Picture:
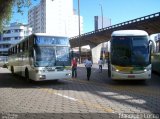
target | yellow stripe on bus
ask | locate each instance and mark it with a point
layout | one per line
(124, 69)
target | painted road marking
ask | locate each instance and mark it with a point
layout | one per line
(70, 98)
(102, 108)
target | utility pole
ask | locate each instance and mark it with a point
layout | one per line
(79, 32)
(103, 55)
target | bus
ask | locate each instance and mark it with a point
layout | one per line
(41, 57)
(130, 55)
(155, 56)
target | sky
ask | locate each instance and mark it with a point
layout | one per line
(116, 10)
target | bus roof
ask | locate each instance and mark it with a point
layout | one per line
(47, 34)
(129, 33)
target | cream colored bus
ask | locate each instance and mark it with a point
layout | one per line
(41, 57)
(130, 56)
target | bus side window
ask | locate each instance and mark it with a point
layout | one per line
(31, 52)
(19, 48)
(26, 45)
(23, 46)
(11, 51)
(16, 49)
(31, 41)
(31, 56)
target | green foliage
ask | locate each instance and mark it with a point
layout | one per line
(6, 10)
(22, 3)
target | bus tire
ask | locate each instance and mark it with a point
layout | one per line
(12, 69)
(27, 75)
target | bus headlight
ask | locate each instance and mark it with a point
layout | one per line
(147, 69)
(114, 69)
(68, 74)
(42, 76)
(117, 70)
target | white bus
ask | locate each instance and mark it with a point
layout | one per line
(130, 56)
(41, 57)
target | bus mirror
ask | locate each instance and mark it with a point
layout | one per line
(152, 46)
(150, 43)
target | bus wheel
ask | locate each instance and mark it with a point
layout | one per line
(27, 75)
(12, 70)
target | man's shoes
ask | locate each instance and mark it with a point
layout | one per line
(74, 78)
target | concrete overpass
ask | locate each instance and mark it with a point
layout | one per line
(149, 23)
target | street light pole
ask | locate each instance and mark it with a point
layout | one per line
(79, 32)
(101, 14)
(102, 28)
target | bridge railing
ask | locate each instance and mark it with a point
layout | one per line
(121, 24)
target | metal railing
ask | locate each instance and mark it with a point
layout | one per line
(120, 24)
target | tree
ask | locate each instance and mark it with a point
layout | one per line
(6, 9)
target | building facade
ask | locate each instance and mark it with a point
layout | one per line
(11, 35)
(55, 17)
(101, 22)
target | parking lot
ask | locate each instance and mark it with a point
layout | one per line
(78, 98)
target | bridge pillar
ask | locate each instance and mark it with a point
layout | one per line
(96, 51)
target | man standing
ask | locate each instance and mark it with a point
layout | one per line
(74, 68)
(88, 65)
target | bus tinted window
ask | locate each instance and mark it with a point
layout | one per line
(121, 49)
(130, 50)
(40, 40)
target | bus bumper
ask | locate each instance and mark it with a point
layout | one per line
(122, 76)
(52, 76)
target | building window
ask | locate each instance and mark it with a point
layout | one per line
(6, 38)
(16, 30)
(6, 32)
(16, 38)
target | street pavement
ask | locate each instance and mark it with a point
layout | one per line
(99, 98)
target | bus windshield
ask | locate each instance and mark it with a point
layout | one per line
(51, 56)
(130, 51)
(62, 56)
(45, 56)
